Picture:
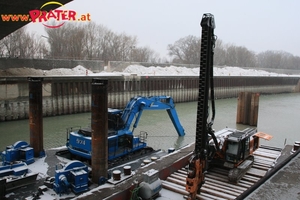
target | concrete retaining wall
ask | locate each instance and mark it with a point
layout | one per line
(68, 95)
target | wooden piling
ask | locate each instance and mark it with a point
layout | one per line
(247, 108)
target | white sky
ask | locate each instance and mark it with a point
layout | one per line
(258, 25)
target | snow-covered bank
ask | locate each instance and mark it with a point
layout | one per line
(138, 70)
(184, 71)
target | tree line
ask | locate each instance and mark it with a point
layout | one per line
(92, 41)
(186, 50)
(76, 41)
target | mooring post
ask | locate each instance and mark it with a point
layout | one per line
(99, 129)
(247, 108)
(36, 115)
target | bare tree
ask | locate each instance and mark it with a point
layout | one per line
(105, 46)
(42, 49)
(66, 41)
(122, 46)
(57, 40)
(143, 54)
(75, 42)
(278, 60)
(93, 37)
(186, 50)
(295, 62)
(269, 59)
(245, 58)
(128, 44)
(20, 44)
(220, 53)
(155, 58)
(12, 42)
(93, 41)
(239, 56)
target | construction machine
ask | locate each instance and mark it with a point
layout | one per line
(228, 148)
(121, 139)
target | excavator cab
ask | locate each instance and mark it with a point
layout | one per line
(237, 149)
(125, 141)
(115, 121)
(239, 146)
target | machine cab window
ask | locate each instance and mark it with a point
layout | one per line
(232, 151)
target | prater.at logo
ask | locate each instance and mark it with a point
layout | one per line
(58, 15)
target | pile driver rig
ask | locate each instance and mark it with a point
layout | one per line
(198, 161)
(228, 148)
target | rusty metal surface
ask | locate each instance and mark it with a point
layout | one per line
(247, 109)
(36, 115)
(99, 129)
(263, 135)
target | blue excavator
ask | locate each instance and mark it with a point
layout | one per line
(121, 140)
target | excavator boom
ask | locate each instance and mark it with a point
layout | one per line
(137, 105)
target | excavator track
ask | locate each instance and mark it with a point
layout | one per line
(234, 175)
(217, 185)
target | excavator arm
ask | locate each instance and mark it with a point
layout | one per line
(137, 105)
(198, 161)
(121, 141)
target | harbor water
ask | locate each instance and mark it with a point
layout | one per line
(279, 115)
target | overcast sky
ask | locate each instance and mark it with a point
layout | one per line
(259, 25)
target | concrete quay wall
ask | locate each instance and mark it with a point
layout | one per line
(70, 95)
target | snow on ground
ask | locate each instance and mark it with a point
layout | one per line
(183, 71)
(161, 71)
(138, 70)
(78, 70)
(39, 166)
(236, 71)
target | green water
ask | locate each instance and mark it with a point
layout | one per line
(279, 115)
